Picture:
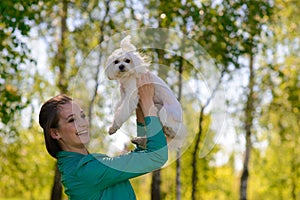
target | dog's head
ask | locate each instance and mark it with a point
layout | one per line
(125, 62)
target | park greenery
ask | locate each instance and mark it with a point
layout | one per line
(46, 46)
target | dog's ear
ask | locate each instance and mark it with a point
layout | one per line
(138, 62)
(141, 69)
(126, 44)
(109, 70)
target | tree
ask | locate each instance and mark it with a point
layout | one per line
(252, 26)
(60, 62)
(280, 115)
(216, 29)
(15, 18)
(231, 30)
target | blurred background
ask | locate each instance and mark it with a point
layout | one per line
(253, 46)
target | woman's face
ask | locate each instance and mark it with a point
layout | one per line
(73, 127)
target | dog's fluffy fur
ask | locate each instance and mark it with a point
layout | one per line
(125, 65)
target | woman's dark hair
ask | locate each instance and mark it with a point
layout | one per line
(49, 117)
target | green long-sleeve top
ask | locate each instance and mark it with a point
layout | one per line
(97, 176)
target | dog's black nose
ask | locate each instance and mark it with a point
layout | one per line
(122, 67)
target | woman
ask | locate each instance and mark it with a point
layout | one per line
(97, 176)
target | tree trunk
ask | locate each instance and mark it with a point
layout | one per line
(194, 156)
(178, 167)
(101, 39)
(198, 138)
(62, 84)
(248, 126)
(155, 185)
(61, 52)
(178, 172)
(156, 179)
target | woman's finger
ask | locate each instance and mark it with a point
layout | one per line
(143, 79)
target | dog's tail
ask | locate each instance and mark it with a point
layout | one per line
(126, 44)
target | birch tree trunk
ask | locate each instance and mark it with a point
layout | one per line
(100, 40)
(178, 167)
(248, 126)
(198, 138)
(156, 175)
(62, 84)
(194, 156)
(155, 185)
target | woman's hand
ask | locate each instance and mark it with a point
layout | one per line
(146, 93)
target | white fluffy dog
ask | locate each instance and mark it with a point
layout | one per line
(125, 65)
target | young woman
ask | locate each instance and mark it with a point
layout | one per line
(97, 176)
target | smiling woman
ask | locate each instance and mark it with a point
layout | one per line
(72, 132)
(49, 119)
(97, 176)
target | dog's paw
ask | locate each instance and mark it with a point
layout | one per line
(140, 141)
(169, 132)
(112, 130)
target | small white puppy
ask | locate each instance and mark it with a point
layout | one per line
(125, 65)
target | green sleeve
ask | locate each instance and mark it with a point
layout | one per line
(105, 171)
(141, 132)
(140, 129)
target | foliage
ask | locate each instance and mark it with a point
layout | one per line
(26, 169)
(280, 116)
(228, 30)
(280, 120)
(15, 23)
(15, 18)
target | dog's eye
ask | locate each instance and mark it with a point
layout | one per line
(116, 61)
(127, 61)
